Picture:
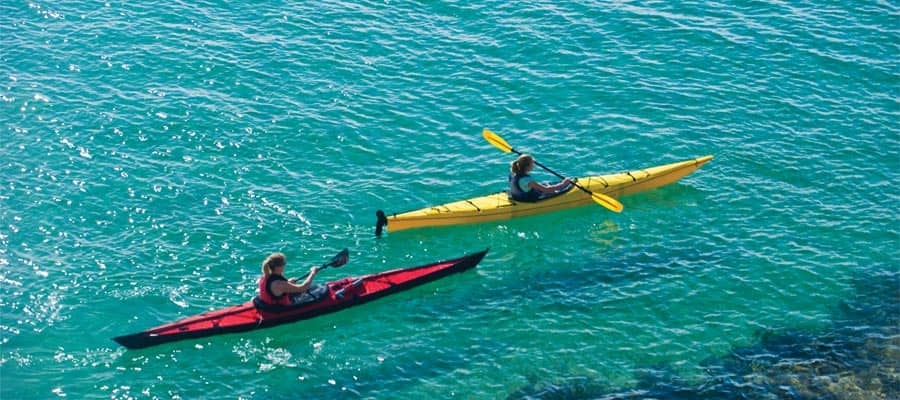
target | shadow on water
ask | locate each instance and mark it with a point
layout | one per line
(857, 358)
(400, 364)
(397, 373)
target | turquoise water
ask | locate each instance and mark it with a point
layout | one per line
(153, 154)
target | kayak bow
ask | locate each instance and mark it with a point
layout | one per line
(333, 296)
(498, 206)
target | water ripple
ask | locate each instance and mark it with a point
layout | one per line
(154, 152)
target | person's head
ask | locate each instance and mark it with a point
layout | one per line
(522, 165)
(274, 263)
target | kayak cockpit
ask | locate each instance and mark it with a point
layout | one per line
(543, 196)
(314, 294)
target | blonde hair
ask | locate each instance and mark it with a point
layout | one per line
(273, 261)
(520, 166)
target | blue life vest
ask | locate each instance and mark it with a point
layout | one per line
(516, 192)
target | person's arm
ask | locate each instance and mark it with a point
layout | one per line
(549, 189)
(287, 287)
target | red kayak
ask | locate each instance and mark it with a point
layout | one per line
(324, 299)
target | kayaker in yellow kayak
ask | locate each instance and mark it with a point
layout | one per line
(522, 187)
(274, 288)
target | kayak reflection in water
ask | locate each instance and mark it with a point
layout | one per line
(522, 187)
(274, 288)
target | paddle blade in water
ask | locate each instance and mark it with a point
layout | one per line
(610, 203)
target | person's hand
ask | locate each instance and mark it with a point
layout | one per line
(568, 181)
(313, 270)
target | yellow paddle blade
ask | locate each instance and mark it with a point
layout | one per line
(496, 140)
(610, 203)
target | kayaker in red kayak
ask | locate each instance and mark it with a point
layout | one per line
(274, 288)
(522, 187)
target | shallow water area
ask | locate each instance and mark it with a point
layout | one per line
(153, 154)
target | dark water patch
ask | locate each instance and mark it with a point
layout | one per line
(858, 357)
(400, 365)
(566, 388)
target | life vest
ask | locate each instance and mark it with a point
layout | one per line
(265, 291)
(516, 193)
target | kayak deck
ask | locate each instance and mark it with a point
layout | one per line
(498, 206)
(340, 294)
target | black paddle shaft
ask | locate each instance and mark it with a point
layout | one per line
(536, 162)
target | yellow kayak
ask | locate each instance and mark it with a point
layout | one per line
(499, 207)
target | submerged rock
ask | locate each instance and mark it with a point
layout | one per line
(857, 359)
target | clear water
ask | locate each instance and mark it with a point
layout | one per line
(153, 154)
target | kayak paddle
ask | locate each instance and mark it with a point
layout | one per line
(599, 198)
(338, 260)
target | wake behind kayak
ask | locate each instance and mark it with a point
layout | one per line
(328, 298)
